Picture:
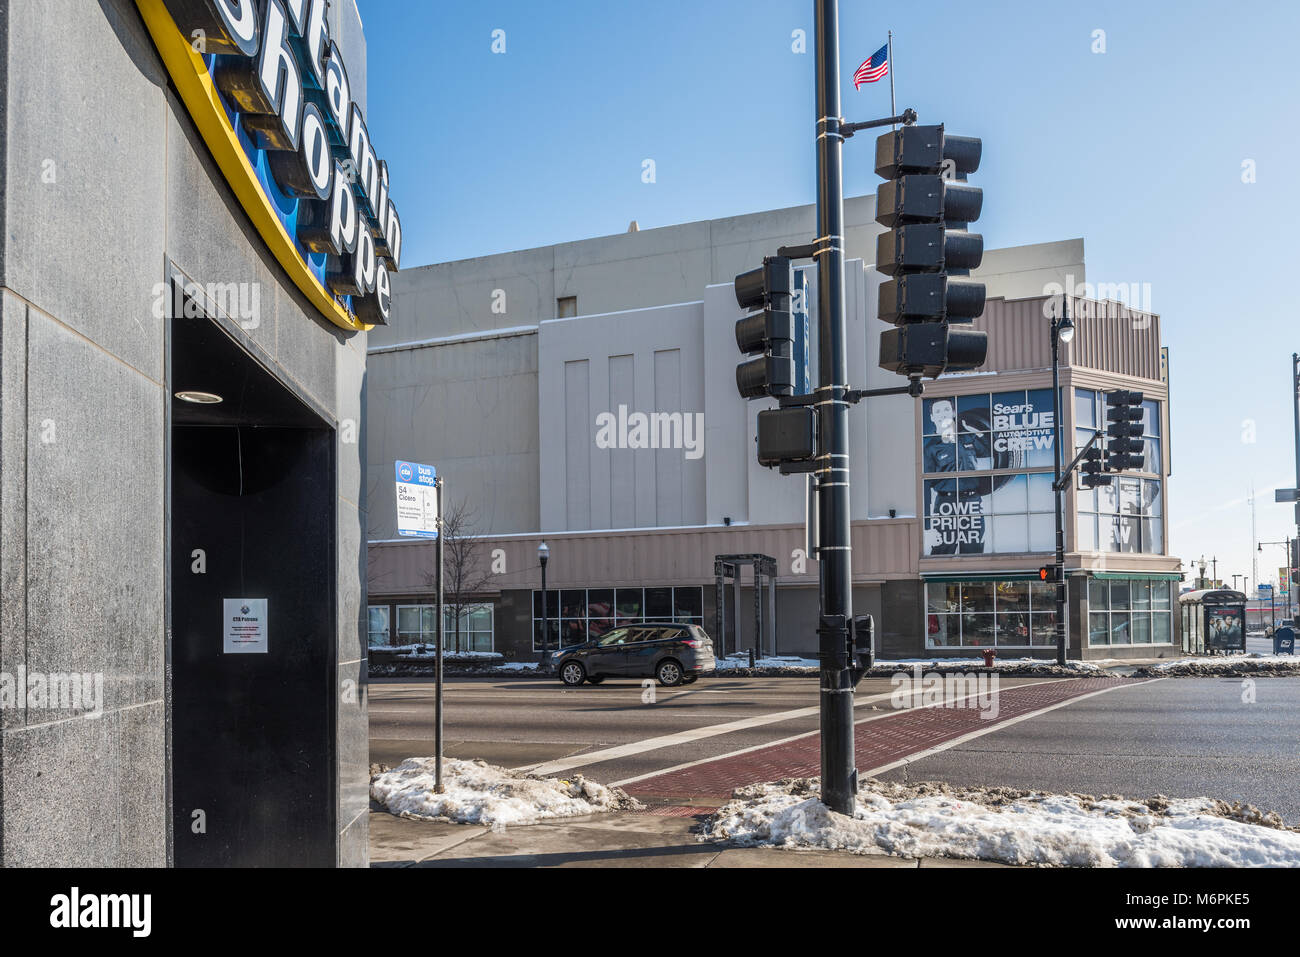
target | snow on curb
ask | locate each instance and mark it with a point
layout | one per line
(479, 793)
(1017, 666)
(786, 665)
(784, 662)
(1009, 826)
(1229, 665)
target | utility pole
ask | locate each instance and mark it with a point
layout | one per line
(1062, 633)
(438, 786)
(839, 775)
(1295, 407)
(927, 240)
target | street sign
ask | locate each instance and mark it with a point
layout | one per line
(1286, 495)
(417, 500)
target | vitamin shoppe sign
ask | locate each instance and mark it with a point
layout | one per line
(269, 92)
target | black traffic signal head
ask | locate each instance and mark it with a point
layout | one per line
(927, 207)
(754, 332)
(786, 435)
(1124, 443)
(931, 348)
(759, 286)
(768, 333)
(934, 296)
(928, 248)
(926, 149)
(927, 198)
(1091, 467)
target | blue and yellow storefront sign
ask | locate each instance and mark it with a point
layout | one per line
(269, 92)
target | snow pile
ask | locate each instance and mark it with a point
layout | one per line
(788, 662)
(1224, 665)
(479, 793)
(1047, 666)
(1010, 826)
(431, 651)
(793, 665)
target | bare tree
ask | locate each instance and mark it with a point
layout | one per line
(466, 573)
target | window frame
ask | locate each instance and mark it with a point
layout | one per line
(1039, 603)
(614, 619)
(1129, 613)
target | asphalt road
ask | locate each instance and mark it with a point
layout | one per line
(1180, 737)
(524, 722)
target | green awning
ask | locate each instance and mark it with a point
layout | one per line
(1139, 576)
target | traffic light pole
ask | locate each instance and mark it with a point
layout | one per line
(838, 774)
(1295, 407)
(1062, 633)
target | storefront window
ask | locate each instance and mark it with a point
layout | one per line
(377, 618)
(581, 614)
(475, 628)
(1129, 612)
(975, 614)
(418, 625)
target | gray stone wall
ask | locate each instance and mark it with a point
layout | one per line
(103, 181)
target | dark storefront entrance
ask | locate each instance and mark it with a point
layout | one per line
(252, 518)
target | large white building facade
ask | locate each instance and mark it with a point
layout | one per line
(584, 395)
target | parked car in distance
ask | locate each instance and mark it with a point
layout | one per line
(1282, 623)
(672, 654)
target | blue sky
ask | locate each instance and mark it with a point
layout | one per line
(1138, 150)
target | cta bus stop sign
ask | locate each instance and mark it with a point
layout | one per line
(417, 500)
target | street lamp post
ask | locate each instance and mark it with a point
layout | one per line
(1287, 546)
(543, 555)
(1062, 332)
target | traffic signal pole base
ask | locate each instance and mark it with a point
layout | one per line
(839, 782)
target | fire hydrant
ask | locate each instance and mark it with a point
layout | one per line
(988, 657)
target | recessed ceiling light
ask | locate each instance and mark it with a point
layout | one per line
(199, 398)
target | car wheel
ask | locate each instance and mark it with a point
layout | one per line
(669, 673)
(572, 674)
(595, 681)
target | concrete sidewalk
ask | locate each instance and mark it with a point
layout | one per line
(622, 839)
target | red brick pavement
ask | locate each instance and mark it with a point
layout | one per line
(879, 742)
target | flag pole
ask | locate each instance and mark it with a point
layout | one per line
(893, 110)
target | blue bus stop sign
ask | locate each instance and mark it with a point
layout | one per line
(417, 500)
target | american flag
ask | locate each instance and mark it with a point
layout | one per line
(873, 69)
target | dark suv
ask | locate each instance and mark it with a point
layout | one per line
(674, 654)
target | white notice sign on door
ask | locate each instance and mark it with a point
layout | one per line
(245, 626)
